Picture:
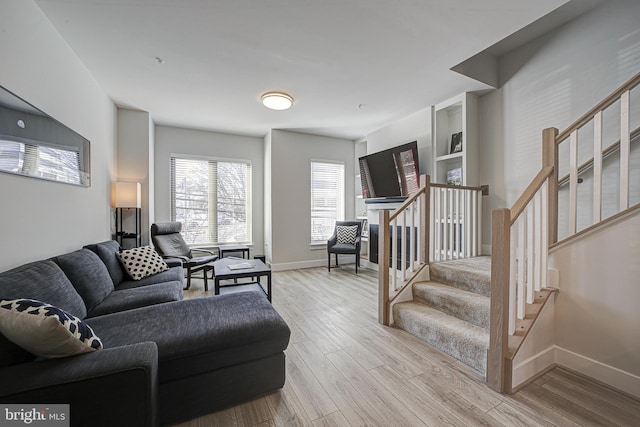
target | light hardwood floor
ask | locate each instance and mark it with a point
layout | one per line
(344, 369)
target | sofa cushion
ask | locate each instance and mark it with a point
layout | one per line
(347, 234)
(173, 274)
(107, 253)
(141, 262)
(88, 275)
(141, 296)
(204, 333)
(45, 330)
(43, 281)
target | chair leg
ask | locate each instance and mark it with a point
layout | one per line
(357, 259)
(337, 260)
(329, 261)
(188, 279)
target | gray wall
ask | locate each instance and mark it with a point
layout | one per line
(290, 204)
(202, 143)
(39, 218)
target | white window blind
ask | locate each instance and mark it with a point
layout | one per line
(327, 199)
(212, 199)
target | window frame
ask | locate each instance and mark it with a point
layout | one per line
(212, 197)
(340, 200)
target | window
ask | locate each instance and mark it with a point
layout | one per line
(327, 199)
(212, 199)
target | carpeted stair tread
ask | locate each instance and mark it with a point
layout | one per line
(469, 274)
(461, 340)
(468, 306)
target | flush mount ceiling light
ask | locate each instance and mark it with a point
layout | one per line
(277, 100)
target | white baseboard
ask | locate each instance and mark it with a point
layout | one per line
(485, 250)
(614, 377)
(298, 265)
(533, 366)
(310, 264)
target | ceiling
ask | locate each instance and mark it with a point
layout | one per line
(352, 66)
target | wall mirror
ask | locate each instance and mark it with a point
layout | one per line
(36, 145)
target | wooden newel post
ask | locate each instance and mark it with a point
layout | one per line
(383, 267)
(550, 158)
(498, 336)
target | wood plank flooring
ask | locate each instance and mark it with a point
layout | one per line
(344, 369)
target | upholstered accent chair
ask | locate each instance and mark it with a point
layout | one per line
(345, 240)
(169, 244)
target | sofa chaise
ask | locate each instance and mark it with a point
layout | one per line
(164, 359)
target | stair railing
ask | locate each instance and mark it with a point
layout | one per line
(522, 235)
(402, 246)
(437, 223)
(456, 226)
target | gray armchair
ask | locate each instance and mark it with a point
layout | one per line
(169, 244)
(345, 240)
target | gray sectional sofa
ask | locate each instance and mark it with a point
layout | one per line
(164, 360)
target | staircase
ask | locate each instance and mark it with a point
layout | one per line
(451, 311)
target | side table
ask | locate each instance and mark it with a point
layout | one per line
(224, 269)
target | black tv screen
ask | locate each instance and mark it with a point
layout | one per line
(390, 173)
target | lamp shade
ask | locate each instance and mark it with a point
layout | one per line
(126, 195)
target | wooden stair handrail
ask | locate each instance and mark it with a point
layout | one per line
(630, 84)
(605, 153)
(411, 199)
(483, 188)
(528, 194)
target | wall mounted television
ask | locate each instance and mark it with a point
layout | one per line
(390, 173)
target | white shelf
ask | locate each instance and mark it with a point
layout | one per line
(449, 157)
(455, 115)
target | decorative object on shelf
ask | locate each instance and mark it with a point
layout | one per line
(456, 143)
(454, 176)
(126, 196)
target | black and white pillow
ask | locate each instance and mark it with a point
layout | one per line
(45, 330)
(347, 234)
(141, 262)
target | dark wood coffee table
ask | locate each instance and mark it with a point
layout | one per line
(224, 269)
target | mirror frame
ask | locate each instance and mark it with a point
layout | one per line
(35, 145)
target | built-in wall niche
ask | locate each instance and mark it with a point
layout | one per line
(35, 145)
(455, 141)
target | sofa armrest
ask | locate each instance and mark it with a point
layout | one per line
(175, 261)
(116, 386)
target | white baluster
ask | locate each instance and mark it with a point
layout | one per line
(624, 151)
(597, 167)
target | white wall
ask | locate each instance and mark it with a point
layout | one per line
(551, 82)
(268, 235)
(135, 148)
(291, 155)
(39, 218)
(597, 319)
(202, 143)
(415, 127)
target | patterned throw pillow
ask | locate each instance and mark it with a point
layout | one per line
(347, 234)
(141, 262)
(45, 330)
